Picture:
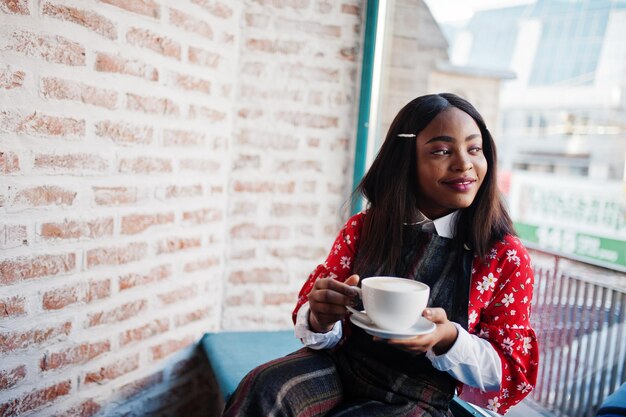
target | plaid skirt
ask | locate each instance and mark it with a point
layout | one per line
(329, 383)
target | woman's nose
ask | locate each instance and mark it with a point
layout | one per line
(462, 163)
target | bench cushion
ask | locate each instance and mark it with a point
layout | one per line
(233, 354)
(614, 404)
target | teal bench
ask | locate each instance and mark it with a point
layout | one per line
(233, 354)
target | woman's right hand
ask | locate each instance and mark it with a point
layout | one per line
(328, 300)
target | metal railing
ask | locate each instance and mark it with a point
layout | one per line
(580, 324)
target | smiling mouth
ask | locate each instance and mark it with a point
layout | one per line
(460, 184)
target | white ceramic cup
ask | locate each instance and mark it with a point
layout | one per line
(392, 303)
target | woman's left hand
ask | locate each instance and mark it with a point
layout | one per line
(440, 340)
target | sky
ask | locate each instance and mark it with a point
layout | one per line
(454, 10)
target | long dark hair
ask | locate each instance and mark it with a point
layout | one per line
(391, 189)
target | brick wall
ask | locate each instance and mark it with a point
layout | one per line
(167, 169)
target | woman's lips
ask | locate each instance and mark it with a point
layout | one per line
(460, 184)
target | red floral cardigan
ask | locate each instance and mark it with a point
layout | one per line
(499, 310)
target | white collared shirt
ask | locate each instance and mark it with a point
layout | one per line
(471, 360)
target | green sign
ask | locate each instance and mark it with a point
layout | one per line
(593, 249)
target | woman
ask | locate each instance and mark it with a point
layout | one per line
(435, 215)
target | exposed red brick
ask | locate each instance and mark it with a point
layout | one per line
(14, 340)
(245, 208)
(89, 19)
(156, 42)
(59, 89)
(351, 9)
(58, 298)
(148, 8)
(144, 332)
(307, 73)
(56, 49)
(137, 223)
(78, 229)
(266, 140)
(141, 385)
(46, 195)
(145, 165)
(199, 165)
(11, 377)
(256, 20)
(323, 6)
(264, 187)
(202, 216)
(190, 23)
(156, 274)
(9, 78)
(203, 112)
(315, 121)
(152, 105)
(253, 231)
(113, 196)
(246, 298)
(259, 276)
(199, 56)
(118, 64)
(82, 163)
(98, 290)
(181, 294)
(190, 83)
(85, 409)
(116, 255)
(36, 266)
(13, 236)
(34, 399)
(125, 133)
(82, 353)
(250, 113)
(247, 162)
(216, 8)
(117, 314)
(41, 125)
(179, 137)
(288, 210)
(274, 46)
(164, 349)
(181, 191)
(202, 264)
(193, 316)
(349, 53)
(14, 6)
(113, 370)
(12, 307)
(280, 298)
(175, 244)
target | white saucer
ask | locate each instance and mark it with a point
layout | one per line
(423, 326)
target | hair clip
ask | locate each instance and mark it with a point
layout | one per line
(406, 135)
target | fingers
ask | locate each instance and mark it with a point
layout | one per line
(436, 315)
(340, 287)
(352, 280)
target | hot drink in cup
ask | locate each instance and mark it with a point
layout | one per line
(392, 303)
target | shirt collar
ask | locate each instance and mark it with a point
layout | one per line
(444, 225)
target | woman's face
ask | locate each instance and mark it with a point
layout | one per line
(451, 165)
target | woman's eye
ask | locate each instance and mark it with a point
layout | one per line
(441, 152)
(475, 150)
